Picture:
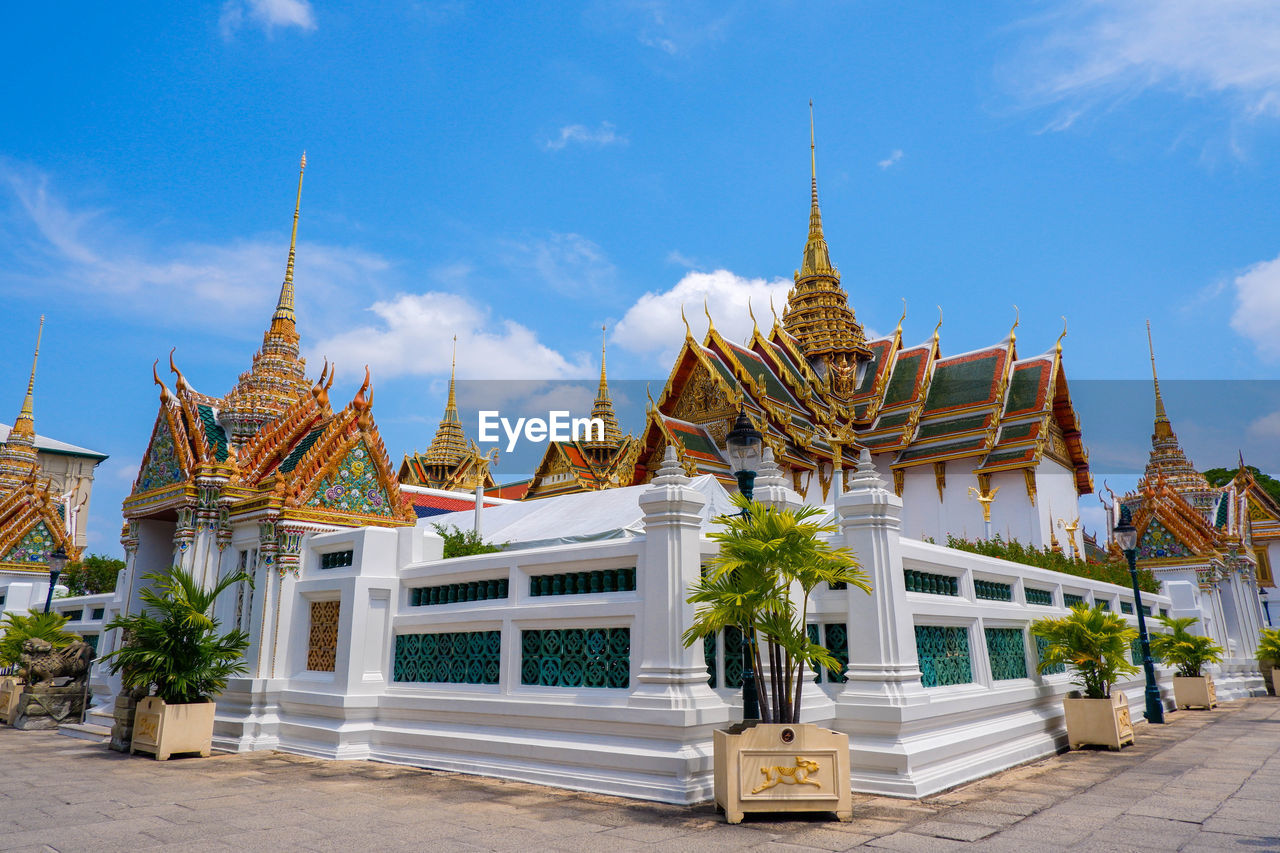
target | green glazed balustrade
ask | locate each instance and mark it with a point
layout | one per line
(1041, 645)
(336, 559)
(453, 593)
(931, 583)
(944, 655)
(1135, 652)
(709, 658)
(1146, 611)
(464, 657)
(1126, 607)
(1007, 651)
(992, 591)
(837, 642)
(583, 583)
(732, 640)
(1070, 600)
(576, 657)
(1105, 605)
(1042, 597)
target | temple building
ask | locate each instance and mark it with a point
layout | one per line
(33, 512)
(238, 482)
(977, 443)
(450, 464)
(1205, 544)
(600, 461)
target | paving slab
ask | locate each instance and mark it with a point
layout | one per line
(1209, 780)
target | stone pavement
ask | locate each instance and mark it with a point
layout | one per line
(1206, 781)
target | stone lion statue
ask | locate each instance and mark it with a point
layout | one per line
(43, 664)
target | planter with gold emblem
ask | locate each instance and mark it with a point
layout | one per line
(782, 768)
(1099, 722)
(164, 730)
(1194, 692)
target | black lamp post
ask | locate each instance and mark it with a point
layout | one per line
(1127, 538)
(744, 444)
(1266, 606)
(57, 562)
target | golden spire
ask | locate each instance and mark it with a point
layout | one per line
(1164, 429)
(817, 259)
(449, 446)
(451, 406)
(25, 427)
(284, 307)
(603, 408)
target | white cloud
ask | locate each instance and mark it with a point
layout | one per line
(1085, 54)
(568, 263)
(673, 29)
(652, 326)
(45, 241)
(1266, 427)
(1257, 314)
(413, 336)
(590, 137)
(267, 14)
(891, 160)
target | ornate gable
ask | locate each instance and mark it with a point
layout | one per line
(353, 487)
(162, 465)
(35, 545)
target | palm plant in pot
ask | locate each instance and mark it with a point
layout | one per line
(175, 649)
(1189, 653)
(761, 582)
(1269, 652)
(1094, 645)
(15, 629)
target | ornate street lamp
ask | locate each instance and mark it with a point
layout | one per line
(57, 562)
(744, 443)
(1266, 606)
(1127, 538)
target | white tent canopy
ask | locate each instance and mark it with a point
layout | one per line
(580, 517)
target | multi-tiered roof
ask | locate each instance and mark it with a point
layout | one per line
(273, 446)
(32, 524)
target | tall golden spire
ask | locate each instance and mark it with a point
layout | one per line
(25, 427)
(1164, 429)
(817, 259)
(603, 408)
(284, 306)
(449, 445)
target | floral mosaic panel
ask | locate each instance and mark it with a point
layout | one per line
(322, 648)
(1006, 649)
(354, 487)
(162, 467)
(576, 657)
(463, 657)
(944, 655)
(34, 547)
(1157, 542)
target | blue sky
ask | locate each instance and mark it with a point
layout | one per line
(519, 175)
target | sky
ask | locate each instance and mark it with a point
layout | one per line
(520, 175)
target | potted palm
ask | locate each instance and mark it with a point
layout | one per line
(1189, 653)
(1269, 652)
(769, 563)
(15, 630)
(174, 647)
(1094, 644)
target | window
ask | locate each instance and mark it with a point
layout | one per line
(336, 559)
(1265, 578)
(97, 612)
(73, 615)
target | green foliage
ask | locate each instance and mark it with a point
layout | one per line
(763, 552)
(1093, 642)
(1222, 476)
(93, 574)
(1269, 645)
(1116, 572)
(1179, 647)
(174, 645)
(16, 628)
(463, 543)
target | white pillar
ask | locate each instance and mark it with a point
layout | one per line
(883, 665)
(670, 675)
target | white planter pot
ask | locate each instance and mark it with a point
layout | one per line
(1195, 692)
(163, 729)
(1101, 722)
(782, 768)
(10, 690)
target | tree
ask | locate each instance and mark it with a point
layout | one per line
(463, 543)
(1222, 476)
(1093, 642)
(1179, 647)
(174, 644)
(763, 552)
(16, 628)
(92, 574)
